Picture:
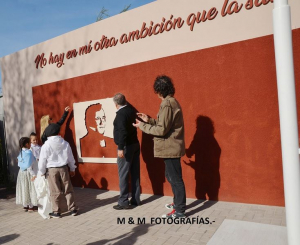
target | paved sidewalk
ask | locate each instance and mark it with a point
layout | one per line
(98, 221)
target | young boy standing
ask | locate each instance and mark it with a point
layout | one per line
(56, 155)
(36, 149)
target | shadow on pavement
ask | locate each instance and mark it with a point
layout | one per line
(129, 238)
(150, 199)
(8, 238)
(204, 205)
(92, 200)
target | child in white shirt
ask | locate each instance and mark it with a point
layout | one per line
(55, 158)
(36, 149)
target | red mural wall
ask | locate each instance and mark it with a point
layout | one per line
(229, 99)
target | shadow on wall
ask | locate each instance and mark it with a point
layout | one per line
(15, 99)
(92, 184)
(78, 180)
(207, 160)
(155, 166)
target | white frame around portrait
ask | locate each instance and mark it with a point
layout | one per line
(80, 128)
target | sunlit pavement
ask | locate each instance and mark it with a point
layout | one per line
(99, 223)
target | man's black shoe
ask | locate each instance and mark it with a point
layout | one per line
(74, 212)
(134, 203)
(119, 207)
(54, 215)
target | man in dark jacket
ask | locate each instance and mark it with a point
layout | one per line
(125, 137)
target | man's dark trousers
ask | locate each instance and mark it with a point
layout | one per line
(174, 176)
(129, 164)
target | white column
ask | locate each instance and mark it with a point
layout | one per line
(288, 117)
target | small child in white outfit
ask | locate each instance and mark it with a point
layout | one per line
(40, 183)
(36, 149)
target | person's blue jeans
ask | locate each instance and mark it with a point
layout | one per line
(174, 176)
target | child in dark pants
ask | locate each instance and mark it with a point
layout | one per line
(56, 155)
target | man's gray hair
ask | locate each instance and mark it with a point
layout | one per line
(120, 99)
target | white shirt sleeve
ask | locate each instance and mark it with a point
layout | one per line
(30, 169)
(36, 151)
(43, 160)
(71, 160)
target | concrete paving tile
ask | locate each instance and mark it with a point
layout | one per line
(180, 243)
(24, 241)
(216, 212)
(194, 242)
(236, 212)
(171, 240)
(185, 238)
(149, 242)
(283, 222)
(162, 235)
(217, 220)
(68, 242)
(92, 225)
(279, 210)
(95, 233)
(198, 229)
(238, 217)
(247, 219)
(257, 220)
(202, 243)
(249, 215)
(206, 238)
(212, 229)
(183, 228)
(197, 236)
(231, 216)
(270, 212)
(93, 240)
(259, 215)
(162, 239)
(173, 233)
(174, 228)
(15, 242)
(266, 221)
(276, 222)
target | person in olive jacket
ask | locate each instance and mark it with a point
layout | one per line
(168, 130)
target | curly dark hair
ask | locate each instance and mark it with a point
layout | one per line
(163, 85)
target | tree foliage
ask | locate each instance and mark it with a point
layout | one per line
(104, 12)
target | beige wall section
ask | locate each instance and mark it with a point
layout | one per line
(19, 74)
